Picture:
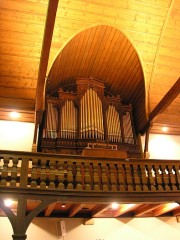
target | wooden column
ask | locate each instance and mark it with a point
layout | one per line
(20, 222)
(146, 153)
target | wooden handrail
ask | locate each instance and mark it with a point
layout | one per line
(81, 173)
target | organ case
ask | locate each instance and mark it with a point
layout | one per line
(88, 115)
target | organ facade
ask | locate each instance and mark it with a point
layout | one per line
(88, 117)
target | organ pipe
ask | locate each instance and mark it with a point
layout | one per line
(51, 121)
(128, 132)
(93, 118)
(68, 120)
(113, 124)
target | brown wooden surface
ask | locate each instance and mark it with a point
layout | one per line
(87, 186)
(109, 40)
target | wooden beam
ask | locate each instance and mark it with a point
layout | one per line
(99, 209)
(124, 208)
(165, 208)
(48, 33)
(75, 209)
(166, 100)
(145, 209)
(176, 212)
(49, 209)
(164, 103)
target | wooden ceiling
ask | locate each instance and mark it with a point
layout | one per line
(94, 210)
(133, 46)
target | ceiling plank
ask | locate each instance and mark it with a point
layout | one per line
(75, 209)
(49, 209)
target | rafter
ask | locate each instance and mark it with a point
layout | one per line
(164, 103)
(176, 212)
(100, 209)
(48, 33)
(166, 100)
(49, 209)
(75, 209)
(124, 208)
(145, 209)
(165, 208)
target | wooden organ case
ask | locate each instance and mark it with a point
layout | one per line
(87, 118)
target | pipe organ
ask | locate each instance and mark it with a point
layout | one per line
(73, 119)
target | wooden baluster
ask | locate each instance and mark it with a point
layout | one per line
(129, 177)
(144, 177)
(151, 177)
(113, 177)
(70, 175)
(158, 177)
(59, 173)
(5, 169)
(172, 177)
(165, 177)
(137, 178)
(121, 178)
(14, 172)
(79, 177)
(43, 174)
(177, 172)
(34, 175)
(51, 175)
(104, 177)
(96, 178)
(87, 176)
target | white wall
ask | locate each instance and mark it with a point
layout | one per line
(16, 136)
(103, 229)
(163, 146)
(19, 136)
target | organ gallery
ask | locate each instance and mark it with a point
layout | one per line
(85, 117)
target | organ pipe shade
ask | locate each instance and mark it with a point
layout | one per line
(91, 116)
(51, 121)
(127, 126)
(113, 124)
(69, 120)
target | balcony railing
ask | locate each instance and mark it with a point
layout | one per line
(79, 173)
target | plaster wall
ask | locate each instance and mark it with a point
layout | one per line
(103, 229)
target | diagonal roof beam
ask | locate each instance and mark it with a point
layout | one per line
(164, 103)
(48, 33)
(76, 208)
(50, 209)
(145, 209)
(166, 100)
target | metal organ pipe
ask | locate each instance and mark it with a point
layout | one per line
(113, 124)
(91, 116)
(51, 121)
(68, 120)
(128, 132)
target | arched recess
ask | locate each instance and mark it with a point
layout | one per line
(105, 53)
